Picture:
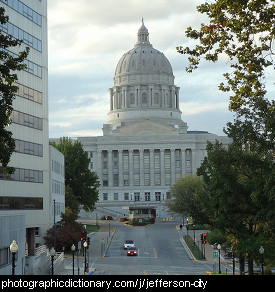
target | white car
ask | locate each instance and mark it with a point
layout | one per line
(129, 243)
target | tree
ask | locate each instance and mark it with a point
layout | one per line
(83, 183)
(9, 64)
(187, 196)
(67, 232)
(241, 200)
(241, 179)
(244, 32)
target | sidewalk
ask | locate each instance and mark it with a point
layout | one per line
(208, 248)
(99, 243)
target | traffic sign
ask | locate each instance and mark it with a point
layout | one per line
(215, 254)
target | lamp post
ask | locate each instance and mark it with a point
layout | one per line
(219, 249)
(85, 257)
(73, 249)
(13, 250)
(261, 251)
(52, 254)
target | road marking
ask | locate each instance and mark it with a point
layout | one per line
(155, 253)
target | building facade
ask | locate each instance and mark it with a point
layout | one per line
(25, 196)
(145, 147)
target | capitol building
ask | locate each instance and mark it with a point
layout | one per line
(146, 146)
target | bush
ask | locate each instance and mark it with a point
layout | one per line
(216, 236)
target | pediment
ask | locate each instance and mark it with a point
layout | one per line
(144, 128)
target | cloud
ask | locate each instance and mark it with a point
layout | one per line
(86, 40)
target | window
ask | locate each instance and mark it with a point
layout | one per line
(136, 159)
(28, 148)
(21, 203)
(27, 120)
(156, 98)
(157, 196)
(136, 179)
(137, 196)
(126, 196)
(167, 159)
(157, 179)
(147, 196)
(115, 180)
(157, 159)
(105, 180)
(132, 99)
(147, 179)
(23, 175)
(146, 159)
(167, 179)
(125, 160)
(126, 179)
(144, 98)
(115, 196)
(105, 196)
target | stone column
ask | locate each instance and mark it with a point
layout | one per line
(151, 151)
(99, 165)
(120, 169)
(110, 169)
(131, 168)
(173, 167)
(162, 169)
(141, 167)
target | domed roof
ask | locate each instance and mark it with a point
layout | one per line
(143, 59)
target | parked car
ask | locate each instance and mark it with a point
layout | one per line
(129, 243)
(132, 251)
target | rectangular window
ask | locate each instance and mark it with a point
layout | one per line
(136, 179)
(157, 159)
(21, 203)
(136, 159)
(147, 179)
(167, 160)
(157, 179)
(126, 196)
(125, 160)
(146, 159)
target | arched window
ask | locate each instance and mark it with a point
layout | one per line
(132, 98)
(144, 98)
(156, 98)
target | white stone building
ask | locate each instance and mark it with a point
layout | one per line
(145, 145)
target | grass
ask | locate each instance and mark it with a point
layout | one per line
(194, 248)
(92, 228)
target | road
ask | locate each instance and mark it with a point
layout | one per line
(160, 252)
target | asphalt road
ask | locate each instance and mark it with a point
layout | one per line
(160, 252)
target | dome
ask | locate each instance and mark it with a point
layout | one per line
(143, 62)
(144, 88)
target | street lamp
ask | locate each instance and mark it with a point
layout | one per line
(52, 254)
(13, 250)
(85, 253)
(261, 251)
(219, 249)
(73, 249)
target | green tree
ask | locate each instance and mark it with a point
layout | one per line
(9, 64)
(241, 201)
(83, 183)
(241, 179)
(187, 197)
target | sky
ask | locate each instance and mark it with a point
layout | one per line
(86, 40)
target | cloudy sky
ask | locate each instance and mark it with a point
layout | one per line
(88, 37)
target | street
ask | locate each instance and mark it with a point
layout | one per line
(160, 252)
